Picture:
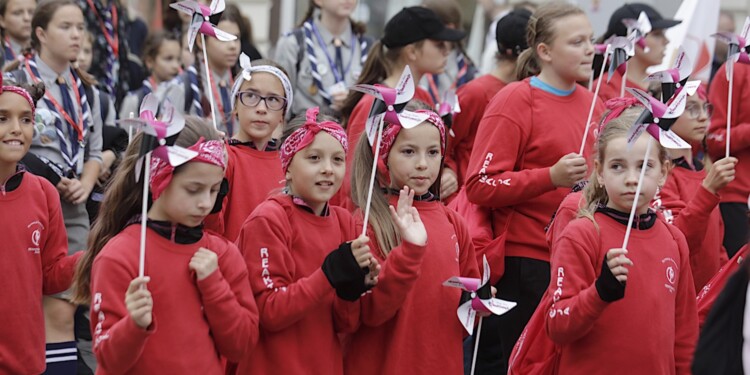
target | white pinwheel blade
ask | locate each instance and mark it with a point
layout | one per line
(469, 284)
(186, 6)
(642, 97)
(683, 64)
(498, 306)
(726, 37)
(485, 270)
(173, 118)
(644, 24)
(411, 119)
(194, 29)
(746, 31)
(670, 139)
(634, 133)
(467, 315)
(371, 127)
(217, 6)
(405, 86)
(368, 89)
(180, 155)
(223, 35)
(150, 103)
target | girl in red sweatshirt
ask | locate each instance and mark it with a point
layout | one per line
(302, 261)
(408, 323)
(524, 161)
(414, 37)
(261, 97)
(34, 240)
(194, 306)
(690, 197)
(603, 294)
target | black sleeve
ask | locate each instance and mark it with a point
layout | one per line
(114, 139)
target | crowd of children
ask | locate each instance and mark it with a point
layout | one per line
(280, 238)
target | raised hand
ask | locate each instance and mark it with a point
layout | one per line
(407, 219)
(139, 303)
(720, 174)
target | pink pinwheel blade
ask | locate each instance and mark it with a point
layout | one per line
(468, 284)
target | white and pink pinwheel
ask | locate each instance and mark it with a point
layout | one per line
(621, 50)
(200, 20)
(481, 298)
(389, 105)
(678, 74)
(737, 46)
(641, 27)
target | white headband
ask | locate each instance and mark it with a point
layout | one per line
(246, 75)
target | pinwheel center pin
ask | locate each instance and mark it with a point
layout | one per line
(390, 108)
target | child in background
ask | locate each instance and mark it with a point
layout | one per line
(34, 237)
(261, 96)
(324, 55)
(222, 56)
(408, 323)
(416, 37)
(15, 27)
(195, 299)
(525, 160)
(161, 57)
(298, 252)
(602, 293)
(691, 195)
(656, 42)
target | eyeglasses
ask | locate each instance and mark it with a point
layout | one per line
(252, 99)
(694, 110)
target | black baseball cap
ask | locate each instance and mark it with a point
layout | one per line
(616, 27)
(417, 23)
(510, 33)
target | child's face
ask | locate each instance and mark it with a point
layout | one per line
(571, 52)
(166, 65)
(432, 56)
(224, 55)
(17, 19)
(620, 169)
(316, 172)
(85, 56)
(339, 8)
(692, 125)
(64, 34)
(190, 196)
(415, 158)
(16, 127)
(258, 123)
(657, 43)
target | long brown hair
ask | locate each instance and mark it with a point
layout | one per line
(594, 194)
(122, 201)
(380, 220)
(541, 29)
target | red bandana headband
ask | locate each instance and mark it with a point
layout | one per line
(391, 132)
(305, 135)
(209, 152)
(19, 91)
(616, 107)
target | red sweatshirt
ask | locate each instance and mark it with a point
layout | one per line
(284, 246)
(516, 145)
(739, 143)
(408, 323)
(34, 263)
(354, 128)
(253, 175)
(566, 212)
(652, 330)
(473, 98)
(694, 210)
(707, 296)
(195, 322)
(612, 89)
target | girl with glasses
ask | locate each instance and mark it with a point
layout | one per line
(691, 195)
(261, 98)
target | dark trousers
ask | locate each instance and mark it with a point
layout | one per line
(524, 282)
(735, 226)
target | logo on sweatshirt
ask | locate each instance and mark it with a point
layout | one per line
(670, 273)
(36, 229)
(265, 273)
(488, 180)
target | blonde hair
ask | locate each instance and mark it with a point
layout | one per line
(386, 233)
(594, 194)
(542, 29)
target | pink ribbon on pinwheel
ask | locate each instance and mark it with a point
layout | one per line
(302, 137)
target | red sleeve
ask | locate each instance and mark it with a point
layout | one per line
(576, 303)
(567, 212)
(118, 341)
(498, 148)
(216, 222)
(467, 258)
(229, 306)
(686, 314)
(464, 128)
(57, 266)
(717, 132)
(282, 300)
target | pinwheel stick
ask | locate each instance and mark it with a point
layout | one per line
(624, 81)
(208, 77)
(144, 214)
(372, 175)
(729, 112)
(593, 101)
(637, 194)
(476, 346)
